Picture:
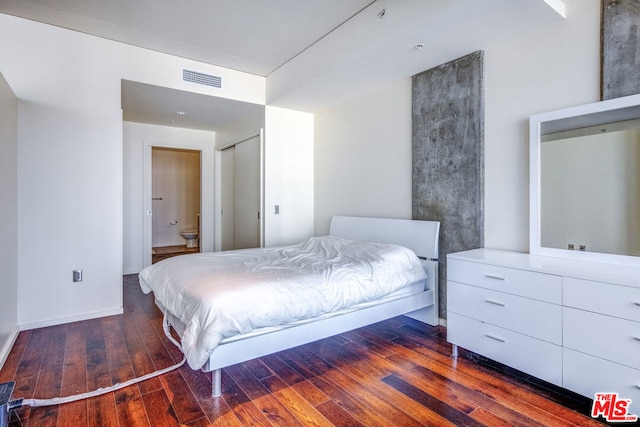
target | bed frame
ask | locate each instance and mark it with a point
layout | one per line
(419, 236)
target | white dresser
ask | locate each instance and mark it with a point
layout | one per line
(575, 324)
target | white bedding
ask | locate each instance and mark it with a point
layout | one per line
(221, 294)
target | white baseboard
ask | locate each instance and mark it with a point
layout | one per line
(8, 345)
(63, 320)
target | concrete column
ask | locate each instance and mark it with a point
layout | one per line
(620, 48)
(448, 155)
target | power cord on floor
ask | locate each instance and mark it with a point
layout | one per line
(99, 391)
(7, 405)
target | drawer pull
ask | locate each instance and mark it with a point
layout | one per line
(493, 276)
(490, 301)
(636, 338)
(638, 386)
(637, 303)
(493, 337)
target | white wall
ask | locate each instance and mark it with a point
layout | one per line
(9, 215)
(553, 67)
(363, 157)
(136, 138)
(289, 176)
(70, 160)
(363, 147)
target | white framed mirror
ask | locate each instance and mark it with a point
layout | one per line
(585, 182)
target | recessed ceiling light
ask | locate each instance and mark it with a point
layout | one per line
(418, 46)
(180, 113)
(382, 13)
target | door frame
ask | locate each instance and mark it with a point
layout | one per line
(206, 194)
(218, 187)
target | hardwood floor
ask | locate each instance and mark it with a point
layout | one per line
(394, 373)
(163, 252)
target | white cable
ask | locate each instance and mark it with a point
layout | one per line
(100, 391)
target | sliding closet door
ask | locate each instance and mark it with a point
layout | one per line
(247, 194)
(228, 198)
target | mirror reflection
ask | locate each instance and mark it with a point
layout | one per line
(590, 188)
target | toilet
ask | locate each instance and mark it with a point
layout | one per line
(191, 237)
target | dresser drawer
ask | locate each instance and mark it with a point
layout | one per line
(588, 375)
(530, 284)
(606, 337)
(537, 319)
(605, 298)
(530, 355)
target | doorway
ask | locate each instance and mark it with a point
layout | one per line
(205, 233)
(175, 189)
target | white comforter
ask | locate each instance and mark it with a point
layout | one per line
(221, 294)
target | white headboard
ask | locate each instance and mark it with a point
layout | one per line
(419, 236)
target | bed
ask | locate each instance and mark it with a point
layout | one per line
(286, 311)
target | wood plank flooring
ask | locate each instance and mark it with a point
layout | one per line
(394, 373)
(159, 253)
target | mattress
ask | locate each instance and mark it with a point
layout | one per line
(222, 295)
(412, 289)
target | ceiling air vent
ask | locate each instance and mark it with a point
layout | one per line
(201, 78)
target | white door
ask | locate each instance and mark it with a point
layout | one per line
(247, 194)
(228, 157)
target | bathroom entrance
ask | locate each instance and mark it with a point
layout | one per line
(175, 189)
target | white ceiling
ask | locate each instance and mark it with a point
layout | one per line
(256, 36)
(313, 53)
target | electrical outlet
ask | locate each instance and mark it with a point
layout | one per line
(583, 248)
(77, 275)
(571, 246)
